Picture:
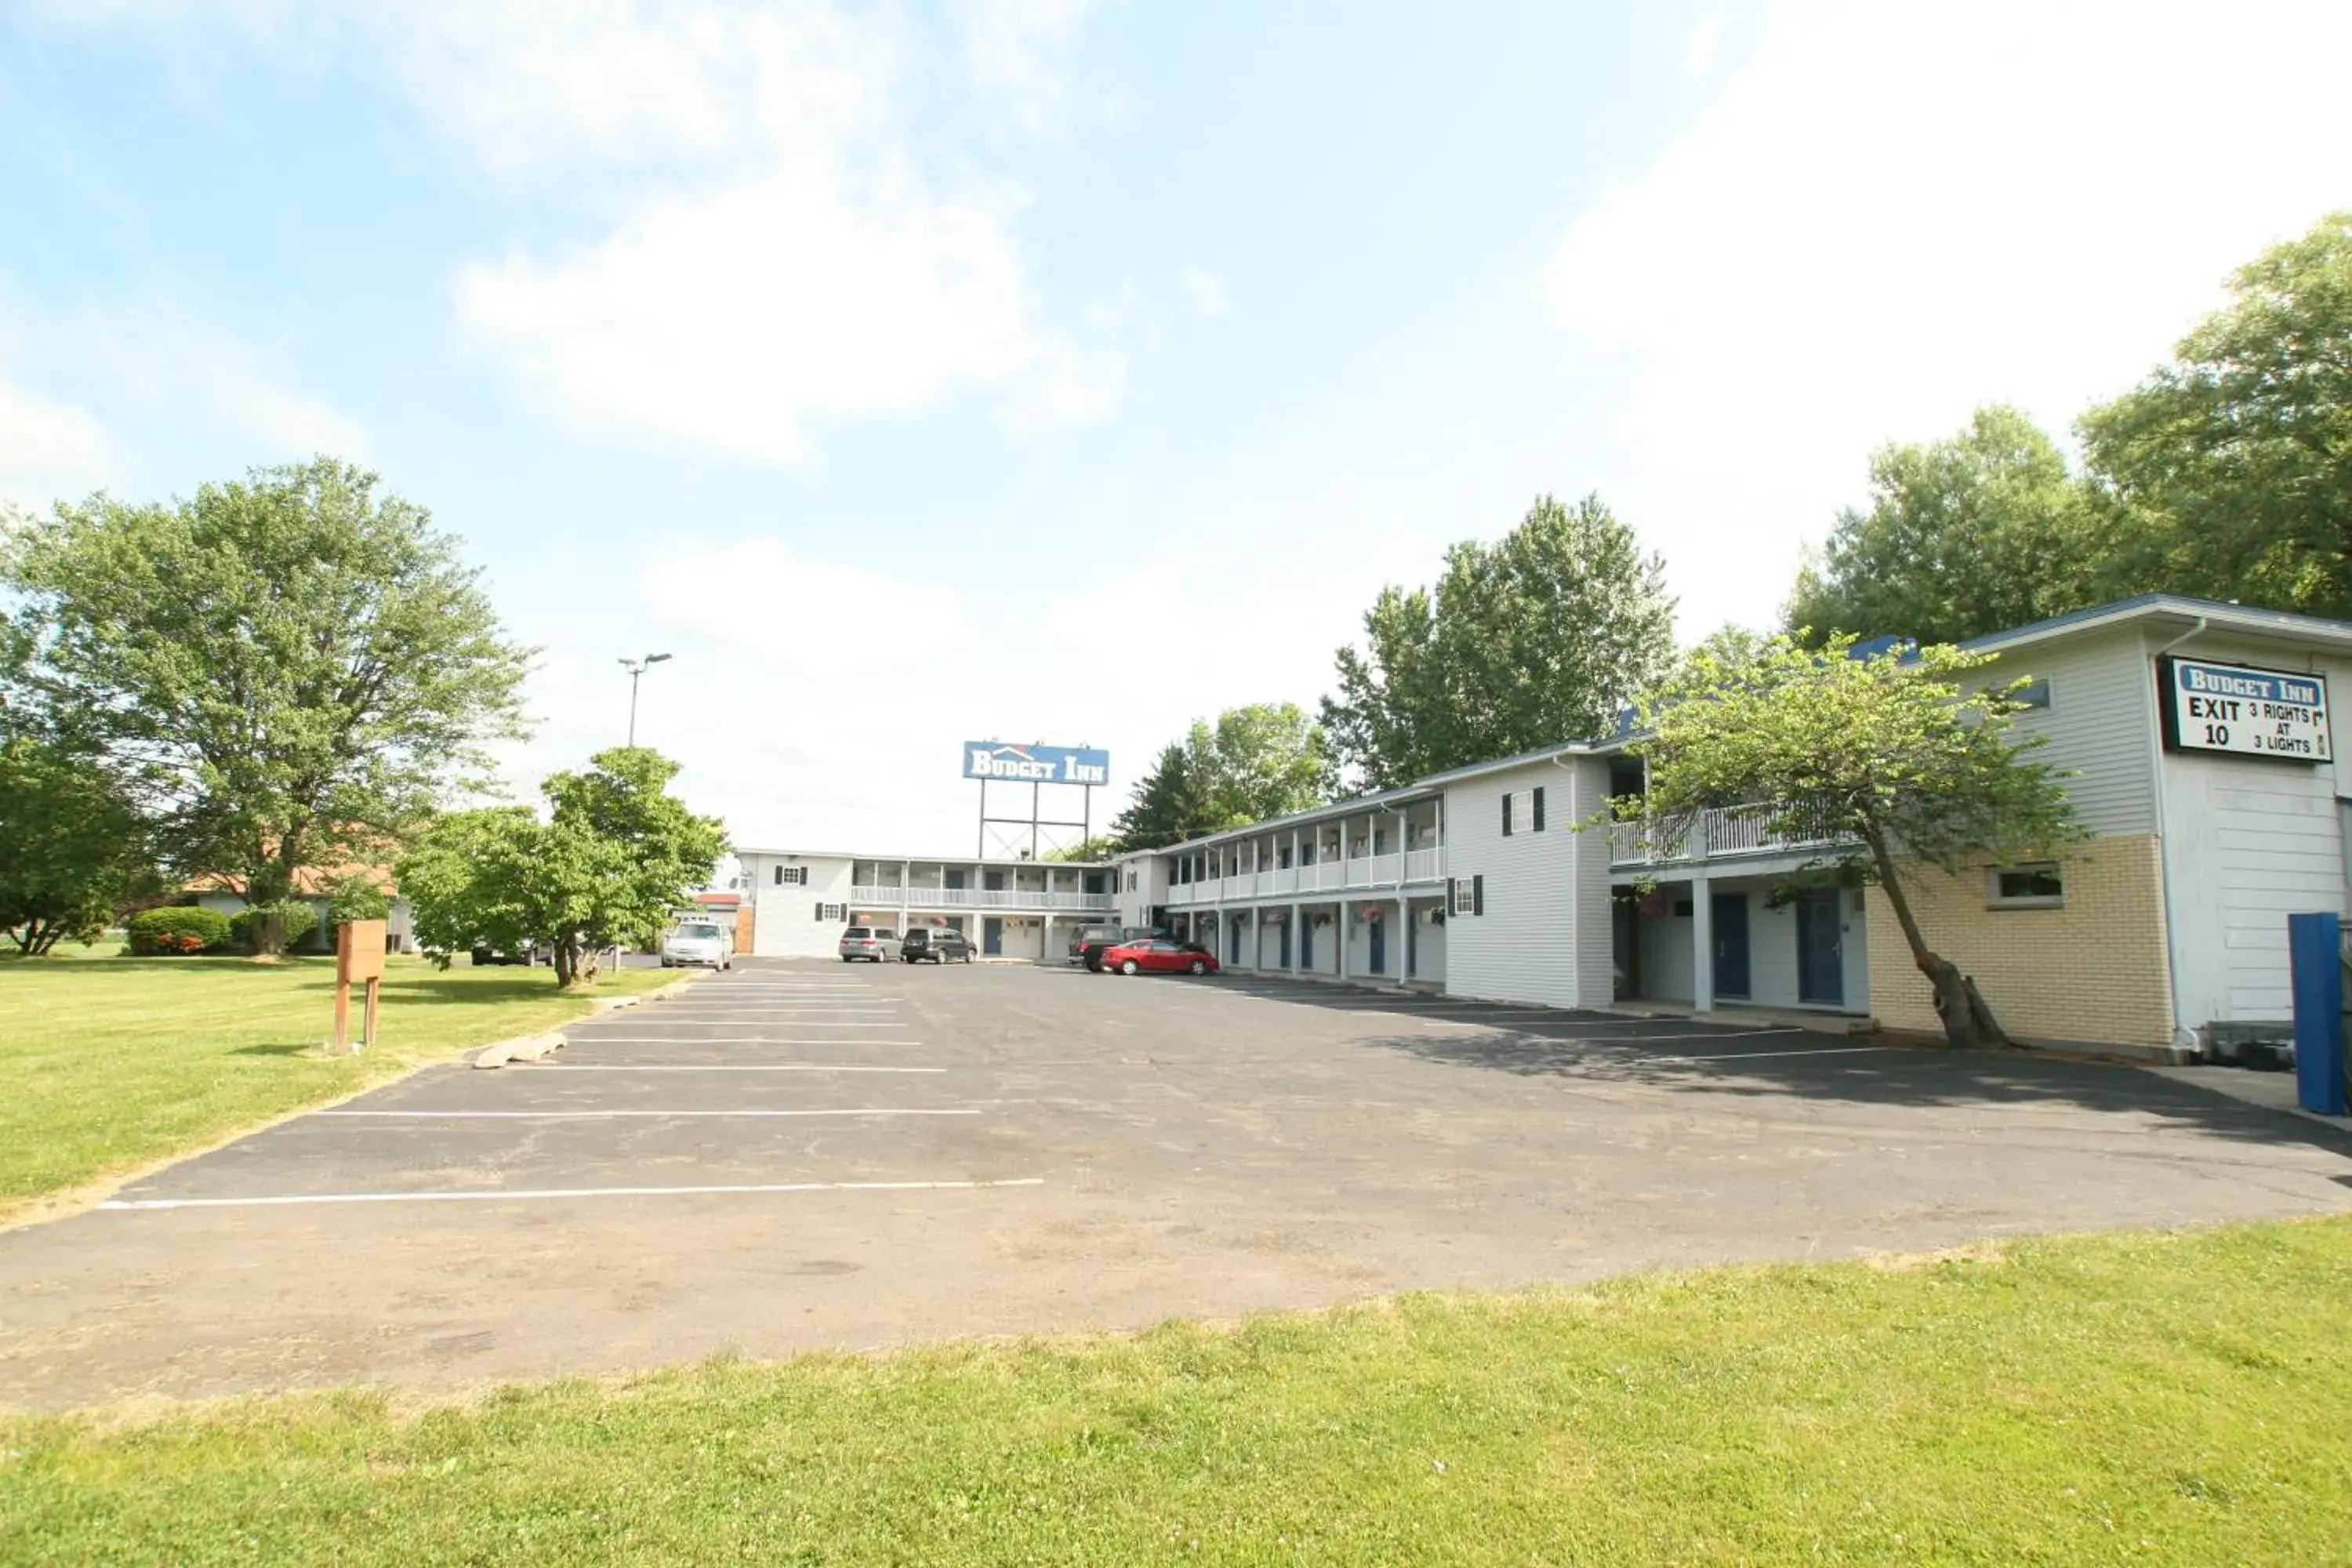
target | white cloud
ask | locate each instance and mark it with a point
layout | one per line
(800, 615)
(50, 450)
(1889, 214)
(775, 256)
(76, 387)
(1205, 292)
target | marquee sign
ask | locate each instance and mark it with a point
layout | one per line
(1036, 764)
(2243, 711)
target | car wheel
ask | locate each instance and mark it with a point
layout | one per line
(845, 958)
(1199, 967)
(1128, 966)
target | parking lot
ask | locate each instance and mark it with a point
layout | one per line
(801, 1155)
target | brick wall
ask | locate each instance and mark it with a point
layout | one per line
(2095, 970)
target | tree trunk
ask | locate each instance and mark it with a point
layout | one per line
(1968, 1021)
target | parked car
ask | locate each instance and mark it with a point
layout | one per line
(697, 944)
(1160, 956)
(1088, 946)
(486, 956)
(873, 943)
(939, 944)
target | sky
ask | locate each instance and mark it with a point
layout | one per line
(1066, 370)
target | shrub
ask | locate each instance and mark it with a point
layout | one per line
(164, 932)
(357, 898)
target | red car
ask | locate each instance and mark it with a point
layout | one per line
(1160, 956)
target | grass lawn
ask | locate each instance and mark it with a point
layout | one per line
(106, 1063)
(2141, 1398)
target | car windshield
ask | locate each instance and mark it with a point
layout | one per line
(701, 934)
(855, 932)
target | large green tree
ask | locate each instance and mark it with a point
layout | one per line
(614, 855)
(1542, 636)
(289, 669)
(1980, 531)
(72, 849)
(1258, 761)
(1910, 761)
(2237, 458)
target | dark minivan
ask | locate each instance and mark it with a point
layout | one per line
(1088, 946)
(939, 944)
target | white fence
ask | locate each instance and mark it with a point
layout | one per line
(1722, 831)
(1362, 873)
(892, 896)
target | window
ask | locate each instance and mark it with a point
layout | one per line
(833, 911)
(2028, 887)
(1469, 896)
(2034, 693)
(792, 876)
(1523, 812)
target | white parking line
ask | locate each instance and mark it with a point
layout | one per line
(763, 1066)
(549, 1194)
(1753, 1056)
(735, 1040)
(599, 1115)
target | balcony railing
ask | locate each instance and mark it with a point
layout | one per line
(1362, 873)
(892, 896)
(1722, 831)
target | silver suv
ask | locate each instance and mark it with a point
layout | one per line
(876, 944)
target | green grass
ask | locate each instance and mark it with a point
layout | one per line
(106, 1063)
(2180, 1397)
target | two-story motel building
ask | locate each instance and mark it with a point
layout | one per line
(1491, 881)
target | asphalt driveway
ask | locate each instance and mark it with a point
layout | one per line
(805, 1155)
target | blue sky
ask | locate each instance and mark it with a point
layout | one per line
(1063, 371)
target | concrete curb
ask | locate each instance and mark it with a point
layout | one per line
(523, 1048)
(539, 1047)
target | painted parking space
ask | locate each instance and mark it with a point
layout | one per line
(1040, 1149)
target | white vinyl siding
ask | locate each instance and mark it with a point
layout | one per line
(2100, 722)
(2248, 842)
(784, 922)
(1532, 945)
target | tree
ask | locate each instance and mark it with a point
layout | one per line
(1101, 846)
(288, 669)
(1170, 804)
(2238, 454)
(71, 849)
(1263, 760)
(1541, 637)
(1972, 534)
(1894, 753)
(1259, 760)
(357, 897)
(616, 854)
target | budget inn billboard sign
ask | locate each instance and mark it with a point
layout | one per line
(2244, 711)
(996, 761)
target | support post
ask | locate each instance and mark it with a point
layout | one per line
(1702, 945)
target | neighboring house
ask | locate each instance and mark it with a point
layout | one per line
(313, 886)
(2198, 735)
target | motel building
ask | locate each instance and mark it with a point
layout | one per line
(2204, 771)
(2197, 733)
(798, 903)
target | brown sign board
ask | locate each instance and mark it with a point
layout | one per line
(358, 951)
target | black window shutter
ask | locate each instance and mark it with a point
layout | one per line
(1507, 813)
(1535, 812)
(779, 875)
(1478, 895)
(1450, 884)
(820, 911)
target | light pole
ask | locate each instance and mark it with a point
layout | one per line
(636, 667)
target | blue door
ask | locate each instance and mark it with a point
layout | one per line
(1820, 948)
(1731, 945)
(1306, 945)
(992, 936)
(1285, 928)
(1234, 942)
(1379, 940)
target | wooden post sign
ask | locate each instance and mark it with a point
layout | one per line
(359, 955)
